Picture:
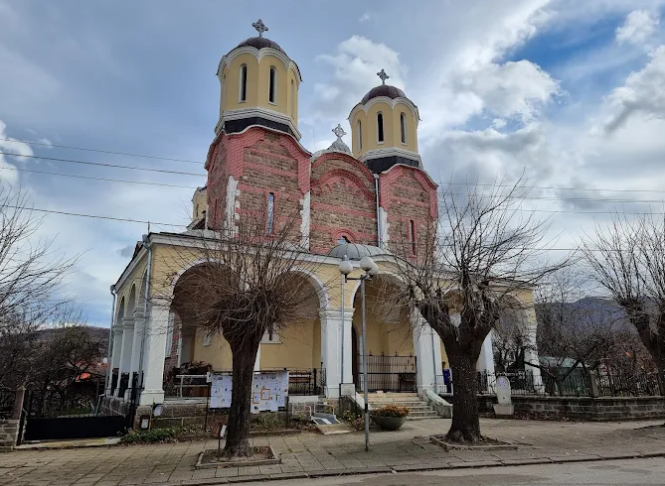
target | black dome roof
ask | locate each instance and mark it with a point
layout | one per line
(383, 90)
(260, 43)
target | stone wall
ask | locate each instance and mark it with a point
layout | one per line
(584, 408)
(8, 433)
(113, 406)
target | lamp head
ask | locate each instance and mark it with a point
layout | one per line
(367, 263)
(346, 267)
(374, 271)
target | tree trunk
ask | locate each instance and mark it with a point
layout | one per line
(237, 432)
(465, 426)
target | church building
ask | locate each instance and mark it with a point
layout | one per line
(371, 199)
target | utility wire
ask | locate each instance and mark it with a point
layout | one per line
(110, 152)
(121, 181)
(101, 164)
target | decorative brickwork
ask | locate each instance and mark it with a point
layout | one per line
(343, 202)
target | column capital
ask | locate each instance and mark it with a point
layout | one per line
(139, 314)
(128, 323)
(335, 313)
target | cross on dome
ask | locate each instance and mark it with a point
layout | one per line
(382, 74)
(339, 131)
(260, 27)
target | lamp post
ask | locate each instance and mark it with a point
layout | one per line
(371, 270)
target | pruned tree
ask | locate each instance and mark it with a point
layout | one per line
(579, 332)
(248, 283)
(627, 258)
(481, 254)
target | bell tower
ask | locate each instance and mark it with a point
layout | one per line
(258, 86)
(384, 128)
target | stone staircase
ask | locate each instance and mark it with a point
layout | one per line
(419, 409)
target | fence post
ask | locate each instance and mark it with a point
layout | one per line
(18, 403)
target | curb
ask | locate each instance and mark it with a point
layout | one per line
(415, 468)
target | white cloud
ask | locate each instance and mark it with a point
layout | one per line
(18, 150)
(642, 93)
(366, 17)
(354, 66)
(639, 26)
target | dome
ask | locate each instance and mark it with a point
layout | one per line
(383, 90)
(338, 146)
(357, 252)
(260, 43)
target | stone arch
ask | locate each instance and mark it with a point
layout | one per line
(120, 311)
(320, 287)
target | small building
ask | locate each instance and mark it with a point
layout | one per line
(363, 200)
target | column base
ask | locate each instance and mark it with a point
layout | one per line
(332, 391)
(148, 397)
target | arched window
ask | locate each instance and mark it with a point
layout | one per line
(402, 125)
(272, 89)
(360, 135)
(343, 240)
(379, 126)
(293, 99)
(271, 213)
(242, 96)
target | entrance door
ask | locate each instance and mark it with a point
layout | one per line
(354, 356)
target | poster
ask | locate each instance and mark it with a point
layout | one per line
(269, 391)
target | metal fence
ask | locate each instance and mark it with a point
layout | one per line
(388, 373)
(302, 382)
(564, 382)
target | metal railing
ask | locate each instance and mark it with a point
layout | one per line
(7, 398)
(302, 382)
(564, 382)
(388, 373)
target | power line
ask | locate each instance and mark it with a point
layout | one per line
(110, 152)
(93, 216)
(20, 169)
(552, 188)
(101, 164)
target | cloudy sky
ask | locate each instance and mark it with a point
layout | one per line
(571, 93)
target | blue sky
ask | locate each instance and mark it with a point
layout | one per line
(570, 93)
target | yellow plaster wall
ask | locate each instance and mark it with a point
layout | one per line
(217, 353)
(199, 203)
(299, 347)
(391, 132)
(258, 82)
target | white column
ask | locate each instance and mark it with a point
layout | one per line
(154, 353)
(531, 353)
(486, 363)
(332, 348)
(117, 351)
(126, 351)
(137, 343)
(428, 353)
(257, 361)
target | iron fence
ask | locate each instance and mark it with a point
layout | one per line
(564, 382)
(388, 373)
(302, 382)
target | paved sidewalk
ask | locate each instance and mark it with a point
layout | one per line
(315, 455)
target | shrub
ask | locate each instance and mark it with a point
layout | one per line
(390, 411)
(153, 436)
(356, 421)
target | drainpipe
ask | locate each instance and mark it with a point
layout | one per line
(146, 243)
(109, 365)
(378, 212)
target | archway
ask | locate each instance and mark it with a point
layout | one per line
(391, 361)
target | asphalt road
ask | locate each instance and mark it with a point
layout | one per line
(625, 472)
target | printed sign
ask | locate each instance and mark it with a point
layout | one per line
(269, 391)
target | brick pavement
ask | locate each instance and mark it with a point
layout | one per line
(316, 455)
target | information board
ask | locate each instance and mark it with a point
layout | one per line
(269, 391)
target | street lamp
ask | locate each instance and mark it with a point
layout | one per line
(371, 270)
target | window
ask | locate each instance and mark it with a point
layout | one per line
(272, 90)
(293, 99)
(343, 241)
(379, 126)
(360, 135)
(412, 236)
(270, 339)
(207, 337)
(402, 125)
(243, 83)
(271, 212)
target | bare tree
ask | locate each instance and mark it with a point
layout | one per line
(481, 254)
(627, 258)
(248, 283)
(578, 331)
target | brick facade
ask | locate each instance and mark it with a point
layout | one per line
(272, 166)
